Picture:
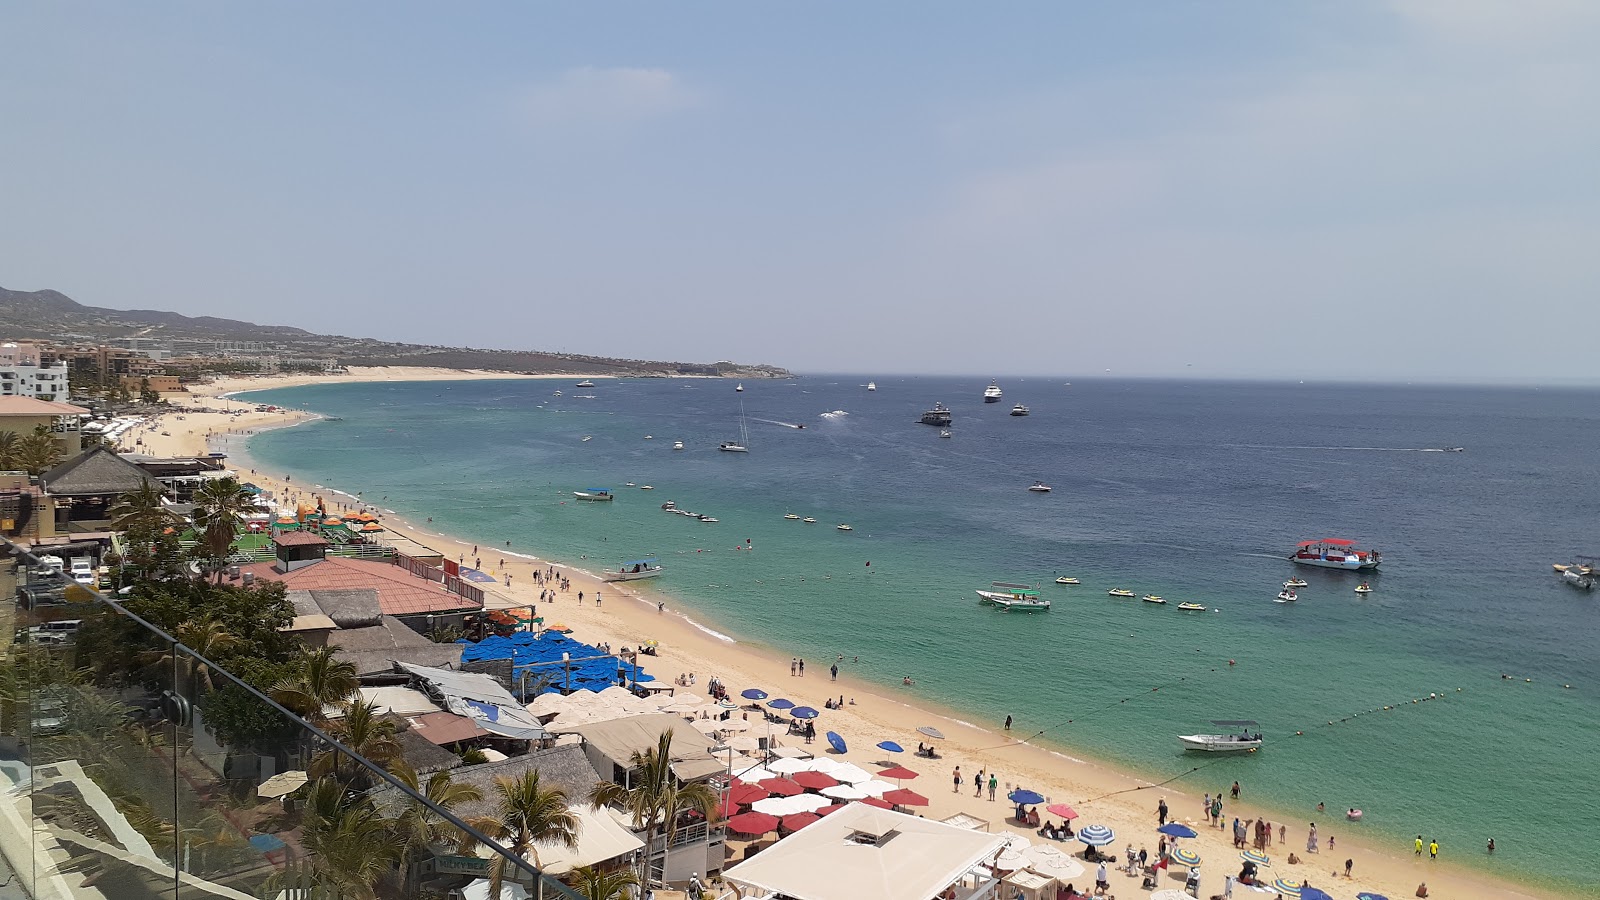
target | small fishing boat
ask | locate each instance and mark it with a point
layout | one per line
(1191, 607)
(944, 434)
(649, 437)
(587, 438)
(1363, 588)
(1242, 742)
(1040, 487)
(791, 517)
(1019, 410)
(1287, 595)
(677, 445)
(1024, 604)
(1120, 592)
(629, 484)
(809, 521)
(1005, 595)
(1152, 598)
(843, 527)
(635, 570)
(1066, 580)
(1295, 583)
(594, 494)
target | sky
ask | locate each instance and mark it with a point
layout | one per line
(1367, 190)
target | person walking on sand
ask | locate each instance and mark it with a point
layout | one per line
(802, 668)
(794, 661)
(994, 785)
(833, 672)
(977, 784)
(1311, 839)
(1161, 812)
(1008, 723)
(956, 780)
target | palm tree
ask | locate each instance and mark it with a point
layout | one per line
(656, 799)
(141, 507)
(348, 846)
(529, 814)
(323, 680)
(420, 828)
(594, 884)
(220, 506)
(39, 452)
(366, 735)
(10, 449)
(206, 638)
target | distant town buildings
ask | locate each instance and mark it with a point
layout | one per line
(28, 370)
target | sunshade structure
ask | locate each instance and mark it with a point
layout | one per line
(1170, 894)
(1183, 856)
(877, 802)
(1259, 858)
(541, 654)
(479, 698)
(804, 712)
(850, 773)
(1288, 887)
(1025, 797)
(1061, 809)
(790, 766)
(930, 731)
(814, 781)
(874, 788)
(1047, 860)
(788, 806)
(903, 797)
(1096, 835)
(744, 742)
(753, 694)
(1366, 896)
(1311, 893)
(281, 785)
(781, 787)
(780, 703)
(901, 858)
(898, 773)
(755, 823)
(798, 821)
(844, 792)
(890, 747)
(1010, 861)
(1178, 830)
(837, 742)
(746, 794)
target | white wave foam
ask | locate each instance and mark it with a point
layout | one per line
(716, 634)
(836, 414)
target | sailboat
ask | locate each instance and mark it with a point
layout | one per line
(743, 444)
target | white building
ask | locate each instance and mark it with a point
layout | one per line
(22, 373)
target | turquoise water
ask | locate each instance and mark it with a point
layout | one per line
(1194, 492)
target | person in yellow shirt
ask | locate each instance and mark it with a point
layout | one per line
(1419, 845)
(1433, 849)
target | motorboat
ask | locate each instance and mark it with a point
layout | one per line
(556, 394)
(1040, 487)
(992, 394)
(739, 389)
(1067, 580)
(1287, 595)
(844, 527)
(587, 438)
(677, 445)
(1242, 742)
(1023, 604)
(595, 494)
(1191, 607)
(1120, 592)
(1152, 598)
(1295, 583)
(944, 434)
(629, 484)
(670, 506)
(1580, 573)
(1335, 553)
(585, 383)
(1019, 410)
(872, 385)
(1363, 588)
(791, 517)
(712, 519)
(939, 415)
(733, 447)
(808, 521)
(634, 570)
(647, 487)
(1005, 590)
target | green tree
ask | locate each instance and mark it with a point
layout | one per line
(142, 507)
(657, 798)
(146, 393)
(367, 734)
(205, 638)
(321, 679)
(10, 450)
(594, 884)
(420, 828)
(220, 507)
(40, 451)
(528, 814)
(349, 847)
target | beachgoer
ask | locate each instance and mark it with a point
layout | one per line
(802, 668)
(661, 606)
(957, 780)
(1348, 865)
(1161, 812)
(1283, 833)
(994, 784)
(1433, 848)
(1422, 889)
(1419, 845)
(833, 672)
(977, 783)
(1330, 842)
(1100, 882)
(905, 681)
(1236, 790)
(793, 661)
(1491, 845)
(1008, 723)
(1311, 839)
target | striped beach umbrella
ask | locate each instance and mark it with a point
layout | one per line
(1257, 857)
(1096, 835)
(1183, 856)
(1288, 887)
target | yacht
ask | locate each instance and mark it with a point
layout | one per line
(992, 394)
(739, 389)
(1225, 743)
(791, 517)
(677, 445)
(1040, 487)
(939, 415)
(872, 385)
(1019, 410)
(584, 383)
(1335, 553)
(742, 445)
(843, 527)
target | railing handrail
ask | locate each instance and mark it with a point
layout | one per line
(360, 760)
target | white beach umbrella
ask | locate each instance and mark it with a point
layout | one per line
(1010, 862)
(824, 765)
(744, 742)
(547, 704)
(727, 756)
(736, 725)
(790, 766)
(707, 726)
(687, 700)
(844, 792)
(616, 693)
(1052, 863)
(662, 700)
(754, 773)
(809, 802)
(1016, 843)
(772, 806)
(851, 774)
(874, 788)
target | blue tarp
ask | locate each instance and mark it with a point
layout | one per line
(526, 650)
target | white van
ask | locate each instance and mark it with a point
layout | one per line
(84, 573)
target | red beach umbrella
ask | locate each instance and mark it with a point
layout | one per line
(746, 794)
(904, 797)
(1062, 810)
(830, 809)
(874, 801)
(728, 809)
(815, 781)
(798, 821)
(898, 773)
(753, 823)
(782, 787)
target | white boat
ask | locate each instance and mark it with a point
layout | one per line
(1004, 595)
(1363, 588)
(739, 389)
(594, 494)
(587, 438)
(1121, 592)
(809, 521)
(647, 487)
(1287, 595)
(791, 517)
(872, 385)
(1152, 598)
(677, 445)
(1040, 487)
(1295, 583)
(1024, 604)
(1191, 607)
(556, 394)
(634, 570)
(843, 527)
(992, 394)
(742, 445)
(585, 383)
(1019, 410)
(944, 434)
(1242, 742)
(708, 518)
(1067, 580)
(1335, 553)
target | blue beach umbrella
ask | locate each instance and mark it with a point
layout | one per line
(780, 703)
(1096, 835)
(837, 742)
(1183, 856)
(803, 712)
(1311, 893)
(1178, 829)
(1366, 896)
(891, 747)
(1025, 798)
(754, 694)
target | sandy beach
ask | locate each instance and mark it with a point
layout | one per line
(872, 712)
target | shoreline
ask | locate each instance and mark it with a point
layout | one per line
(1123, 797)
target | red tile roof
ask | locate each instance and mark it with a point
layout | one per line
(399, 592)
(300, 539)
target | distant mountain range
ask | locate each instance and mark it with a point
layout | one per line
(53, 316)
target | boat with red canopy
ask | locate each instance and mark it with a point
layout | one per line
(1335, 553)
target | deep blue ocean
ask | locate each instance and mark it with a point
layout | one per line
(1194, 491)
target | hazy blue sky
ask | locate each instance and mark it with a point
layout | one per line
(1299, 190)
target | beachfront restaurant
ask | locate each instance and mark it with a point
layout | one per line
(862, 851)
